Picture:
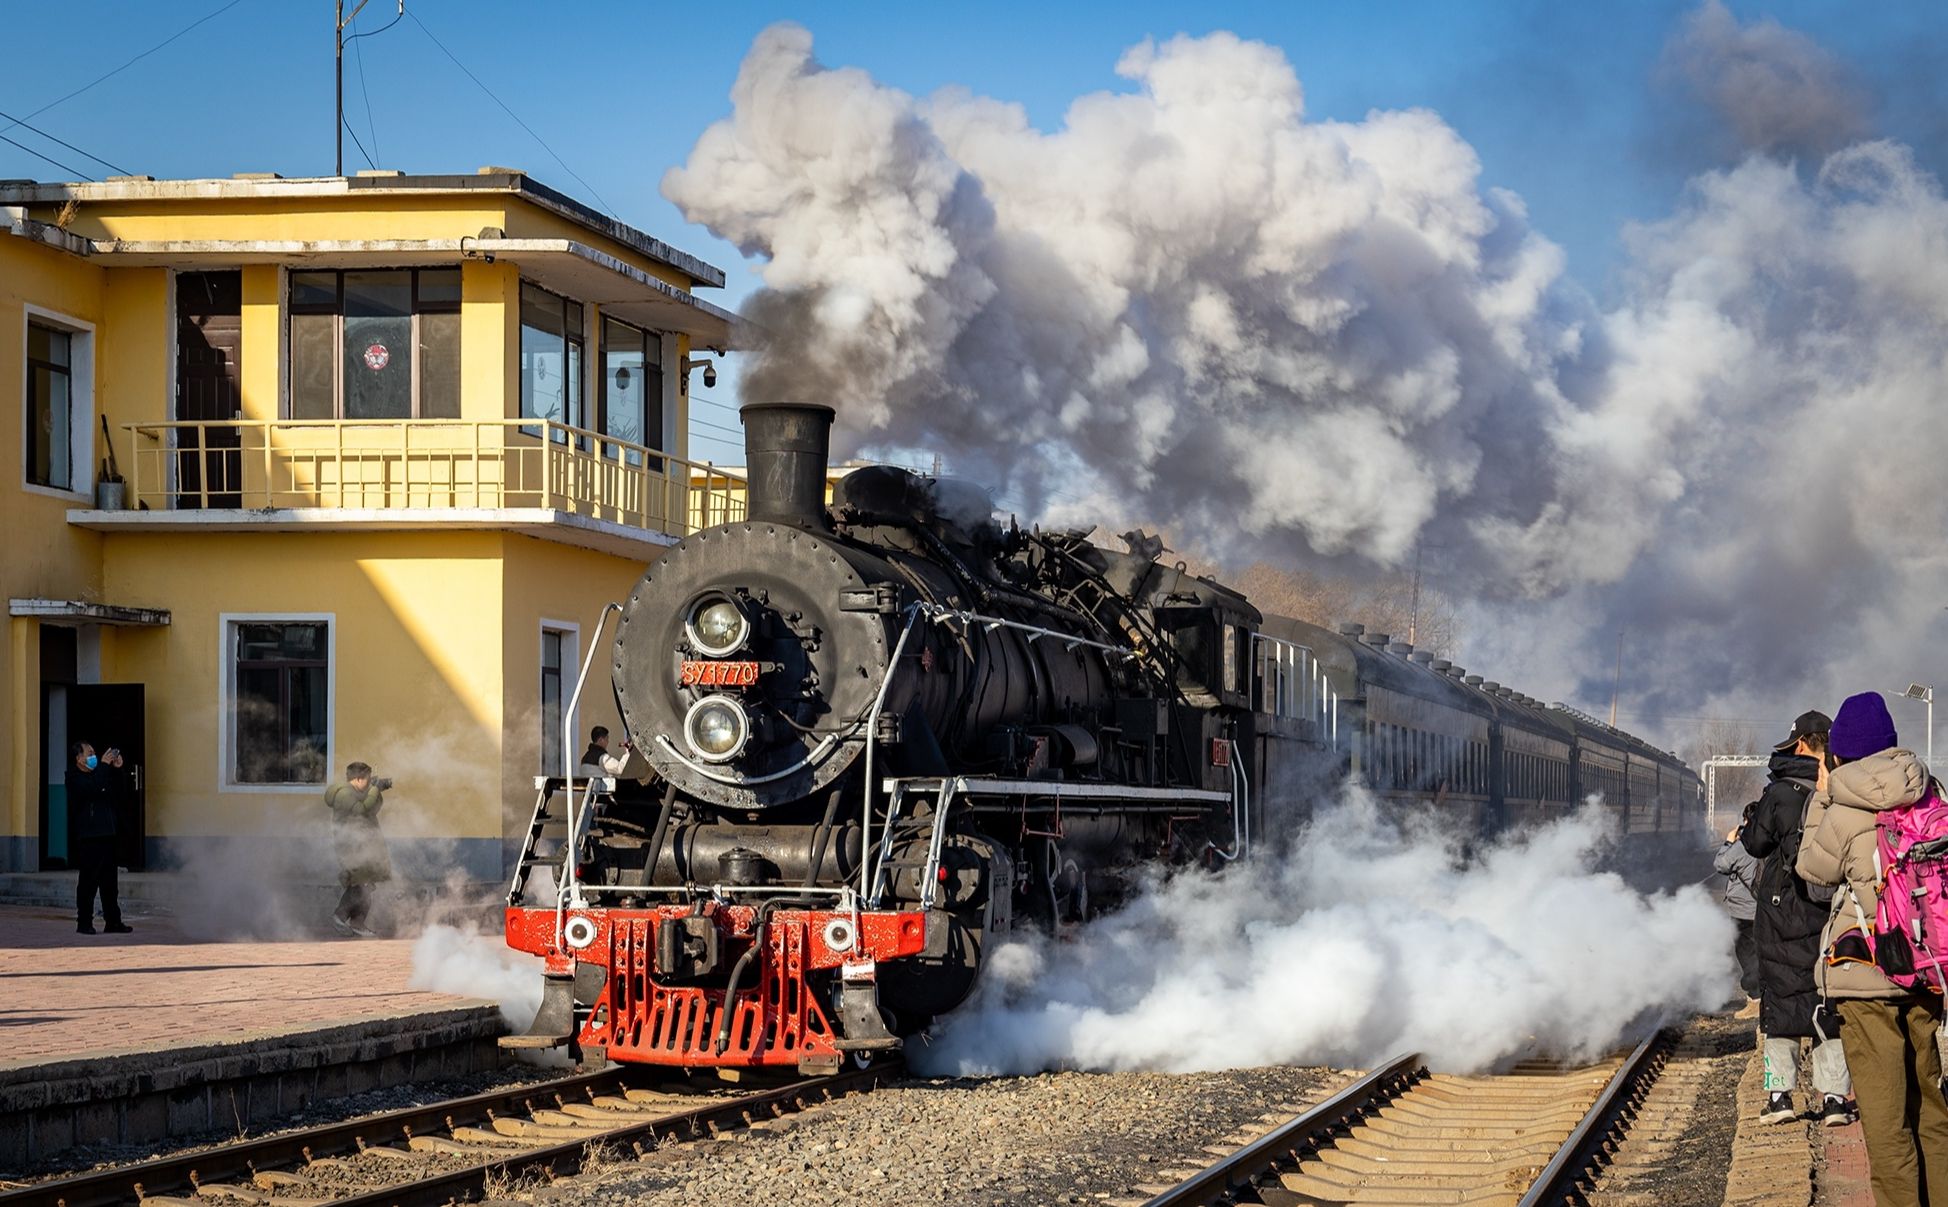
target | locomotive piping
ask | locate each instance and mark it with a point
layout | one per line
(816, 755)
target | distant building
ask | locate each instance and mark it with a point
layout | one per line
(388, 444)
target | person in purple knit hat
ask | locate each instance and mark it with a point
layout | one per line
(1888, 1031)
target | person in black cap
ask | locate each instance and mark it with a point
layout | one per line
(1786, 928)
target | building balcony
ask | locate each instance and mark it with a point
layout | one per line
(531, 475)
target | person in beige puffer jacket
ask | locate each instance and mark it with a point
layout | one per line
(1889, 1032)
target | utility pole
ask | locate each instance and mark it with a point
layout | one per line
(1413, 615)
(1616, 684)
(338, 111)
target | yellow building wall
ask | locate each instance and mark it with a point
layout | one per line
(260, 376)
(40, 555)
(547, 582)
(416, 678)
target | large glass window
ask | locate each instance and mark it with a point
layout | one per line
(279, 702)
(552, 343)
(50, 407)
(378, 344)
(631, 386)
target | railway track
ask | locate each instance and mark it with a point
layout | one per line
(1533, 1137)
(451, 1151)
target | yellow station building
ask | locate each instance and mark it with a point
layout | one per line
(387, 446)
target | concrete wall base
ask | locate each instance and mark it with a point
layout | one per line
(147, 1096)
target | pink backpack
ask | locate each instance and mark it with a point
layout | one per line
(1911, 922)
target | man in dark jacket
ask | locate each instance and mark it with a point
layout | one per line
(1787, 930)
(95, 786)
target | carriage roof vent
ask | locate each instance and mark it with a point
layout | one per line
(1490, 686)
(1377, 640)
(1422, 656)
(1442, 665)
(1474, 680)
(1351, 629)
(1403, 648)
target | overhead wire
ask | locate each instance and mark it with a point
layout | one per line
(503, 104)
(23, 124)
(77, 172)
(357, 143)
(371, 127)
(125, 66)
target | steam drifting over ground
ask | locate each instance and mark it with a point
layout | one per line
(1192, 305)
(1363, 942)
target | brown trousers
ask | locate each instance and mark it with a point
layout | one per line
(1896, 1068)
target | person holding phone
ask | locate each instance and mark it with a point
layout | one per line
(95, 786)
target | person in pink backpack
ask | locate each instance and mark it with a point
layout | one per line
(1889, 1032)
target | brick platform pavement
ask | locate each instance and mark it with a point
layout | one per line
(68, 995)
(124, 1038)
(1844, 1178)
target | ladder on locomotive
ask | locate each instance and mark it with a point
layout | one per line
(549, 821)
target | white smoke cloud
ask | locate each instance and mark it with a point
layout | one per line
(1317, 329)
(1360, 943)
(1191, 305)
(465, 960)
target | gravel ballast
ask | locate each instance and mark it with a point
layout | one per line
(1053, 1138)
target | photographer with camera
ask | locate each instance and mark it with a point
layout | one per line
(362, 857)
(96, 788)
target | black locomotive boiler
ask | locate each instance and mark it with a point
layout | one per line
(888, 730)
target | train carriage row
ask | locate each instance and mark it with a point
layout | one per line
(1415, 729)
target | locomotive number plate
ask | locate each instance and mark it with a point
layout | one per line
(698, 673)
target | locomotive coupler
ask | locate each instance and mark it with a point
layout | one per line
(865, 1028)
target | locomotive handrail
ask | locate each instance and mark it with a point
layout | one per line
(940, 614)
(815, 755)
(571, 889)
(913, 611)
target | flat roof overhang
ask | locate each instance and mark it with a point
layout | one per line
(77, 611)
(542, 523)
(566, 266)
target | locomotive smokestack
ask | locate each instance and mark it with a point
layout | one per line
(787, 446)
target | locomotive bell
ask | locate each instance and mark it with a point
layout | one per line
(787, 446)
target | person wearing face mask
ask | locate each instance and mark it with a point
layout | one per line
(95, 785)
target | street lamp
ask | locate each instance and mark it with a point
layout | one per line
(1925, 695)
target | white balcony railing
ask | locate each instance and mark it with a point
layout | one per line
(426, 464)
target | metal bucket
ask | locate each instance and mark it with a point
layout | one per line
(111, 496)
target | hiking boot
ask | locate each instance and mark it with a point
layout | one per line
(1836, 1111)
(1778, 1108)
(1749, 1010)
(119, 928)
(85, 928)
(360, 930)
(343, 924)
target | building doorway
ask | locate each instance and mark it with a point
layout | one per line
(209, 347)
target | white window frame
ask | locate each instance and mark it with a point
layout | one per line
(226, 678)
(571, 666)
(81, 403)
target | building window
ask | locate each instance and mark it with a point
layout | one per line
(50, 407)
(557, 659)
(551, 358)
(630, 389)
(376, 344)
(280, 705)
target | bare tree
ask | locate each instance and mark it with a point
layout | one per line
(1736, 786)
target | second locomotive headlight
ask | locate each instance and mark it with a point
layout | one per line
(717, 626)
(717, 727)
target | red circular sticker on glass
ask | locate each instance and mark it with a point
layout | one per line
(376, 357)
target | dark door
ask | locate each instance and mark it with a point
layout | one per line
(209, 344)
(108, 715)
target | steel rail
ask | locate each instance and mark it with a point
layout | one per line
(1229, 1176)
(1570, 1171)
(120, 1184)
(560, 1160)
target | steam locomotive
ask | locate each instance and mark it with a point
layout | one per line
(887, 731)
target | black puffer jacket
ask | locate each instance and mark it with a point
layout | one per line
(94, 800)
(1787, 927)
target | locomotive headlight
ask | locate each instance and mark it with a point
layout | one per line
(717, 626)
(716, 728)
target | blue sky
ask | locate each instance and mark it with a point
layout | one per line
(1559, 99)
